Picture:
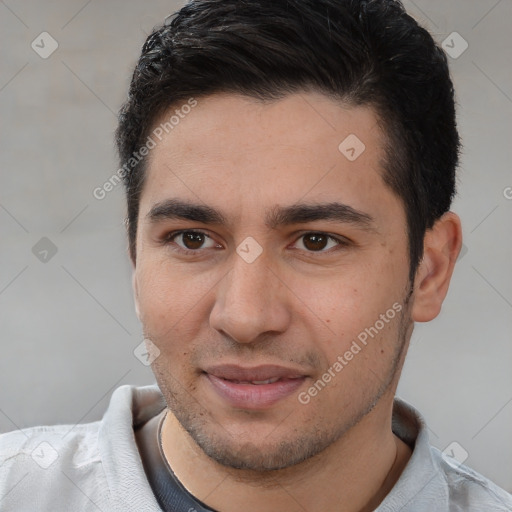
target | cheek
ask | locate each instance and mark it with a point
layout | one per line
(355, 304)
(171, 301)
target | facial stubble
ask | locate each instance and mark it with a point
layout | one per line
(300, 443)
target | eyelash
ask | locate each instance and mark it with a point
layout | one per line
(169, 239)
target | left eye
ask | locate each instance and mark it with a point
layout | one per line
(317, 242)
(192, 240)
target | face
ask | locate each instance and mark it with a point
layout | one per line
(272, 275)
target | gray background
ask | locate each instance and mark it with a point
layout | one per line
(68, 325)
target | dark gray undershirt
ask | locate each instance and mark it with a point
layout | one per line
(168, 490)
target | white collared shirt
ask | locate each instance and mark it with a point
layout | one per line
(97, 467)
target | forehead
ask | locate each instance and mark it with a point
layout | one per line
(258, 154)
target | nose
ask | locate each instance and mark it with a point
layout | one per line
(251, 301)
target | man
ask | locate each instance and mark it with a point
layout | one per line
(289, 168)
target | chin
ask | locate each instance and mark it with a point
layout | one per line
(259, 457)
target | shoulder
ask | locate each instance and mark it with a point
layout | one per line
(468, 490)
(48, 442)
(35, 460)
(82, 467)
(432, 480)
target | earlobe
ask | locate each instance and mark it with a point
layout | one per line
(441, 248)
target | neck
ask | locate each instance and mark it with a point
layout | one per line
(353, 475)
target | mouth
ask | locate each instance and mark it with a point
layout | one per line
(255, 382)
(253, 388)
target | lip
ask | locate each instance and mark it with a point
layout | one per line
(231, 383)
(255, 373)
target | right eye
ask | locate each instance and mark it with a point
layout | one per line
(190, 241)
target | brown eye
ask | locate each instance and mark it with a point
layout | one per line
(319, 242)
(193, 240)
(315, 241)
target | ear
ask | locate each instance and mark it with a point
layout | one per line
(135, 293)
(441, 247)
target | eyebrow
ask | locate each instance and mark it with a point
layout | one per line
(304, 213)
(177, 209)
(300, 213)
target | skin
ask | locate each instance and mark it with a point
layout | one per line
(300, 304)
